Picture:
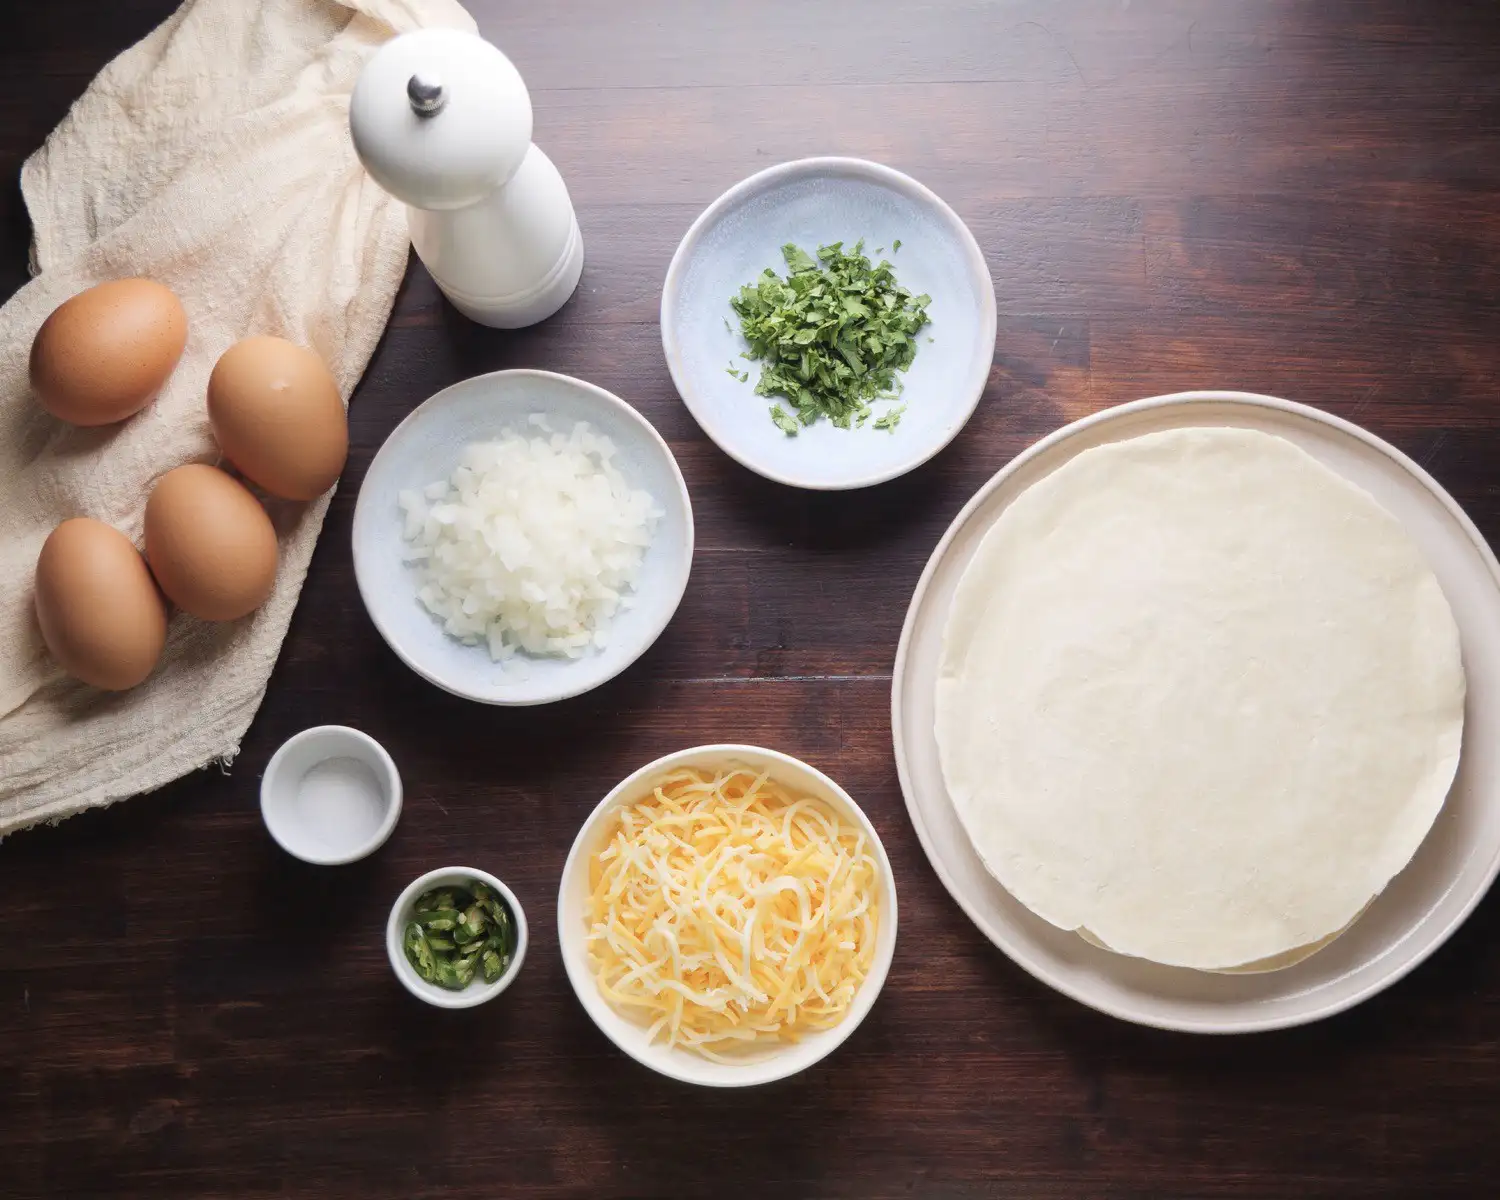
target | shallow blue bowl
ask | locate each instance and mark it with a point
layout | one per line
(813, 202)
(426, 447)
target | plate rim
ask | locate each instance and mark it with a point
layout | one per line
(899, 181)
(1040, 447)
(608, 398)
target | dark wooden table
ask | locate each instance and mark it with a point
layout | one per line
(1300, 198)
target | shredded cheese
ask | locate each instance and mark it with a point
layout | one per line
(725, 914)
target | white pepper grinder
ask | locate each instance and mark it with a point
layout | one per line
(442, 120)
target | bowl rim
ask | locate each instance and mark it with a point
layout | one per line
(705, 1073)
(476, 993)
(392, 779)
(363, 511)
(898, 181)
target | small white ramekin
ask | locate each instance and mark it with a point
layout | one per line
(321, 822)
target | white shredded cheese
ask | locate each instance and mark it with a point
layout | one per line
(533, 544)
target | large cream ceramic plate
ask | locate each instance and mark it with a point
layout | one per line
(1422, 906)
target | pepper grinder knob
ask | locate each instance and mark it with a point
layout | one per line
(426, 95)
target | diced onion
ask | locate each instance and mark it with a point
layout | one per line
(532, 544)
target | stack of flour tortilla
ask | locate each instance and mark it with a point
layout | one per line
(1200, 699)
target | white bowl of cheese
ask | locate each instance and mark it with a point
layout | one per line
(826, 978)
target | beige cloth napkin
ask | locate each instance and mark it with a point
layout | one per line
(213, 156)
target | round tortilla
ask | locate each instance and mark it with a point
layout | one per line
(1200, 698)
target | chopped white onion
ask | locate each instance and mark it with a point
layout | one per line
(532, 543)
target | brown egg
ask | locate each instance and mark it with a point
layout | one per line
(277, 414)
(104, 354)
(210, 544)
(100, 612)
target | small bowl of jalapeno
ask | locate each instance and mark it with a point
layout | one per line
(456, 937)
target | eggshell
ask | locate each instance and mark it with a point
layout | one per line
(210, 544)
(105, 354)
(276, 412)
(101, 615)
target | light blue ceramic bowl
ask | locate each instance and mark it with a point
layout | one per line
(425, 448)
(813, 202)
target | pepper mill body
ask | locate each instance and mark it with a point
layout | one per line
(442, 121)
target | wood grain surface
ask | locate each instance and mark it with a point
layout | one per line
(1299, 197)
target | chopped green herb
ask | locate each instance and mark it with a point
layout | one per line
(831, 336)
(896, 245)
(797, 260)
(784, 420)
(890, 419)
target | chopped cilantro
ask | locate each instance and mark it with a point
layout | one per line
(784, 420)
(831, 336)
(891, 418)
(896, 245)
